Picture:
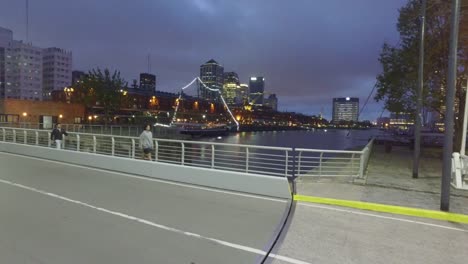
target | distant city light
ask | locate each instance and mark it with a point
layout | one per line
(60, 116)
(25, 114)
(253, 78)
(347, 98)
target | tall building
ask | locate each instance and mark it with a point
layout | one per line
(230, 87)
(29, 72)
(148, 82)
(257, 89)
(272, 102)
(57, 70)
(77, 76)
(23, 71)
(345, 109)
(402, 120)
(6, 37)
(242, 94)
(231, 77)
(212, 74)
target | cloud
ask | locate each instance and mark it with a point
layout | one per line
(308, 51)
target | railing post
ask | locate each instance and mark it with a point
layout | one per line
(299, 163)
(352, 163)
(361, 165)
(133, 148)
(320, 164)
(14, 136)
(37, 138)
(182, 161)
(212, 156)
(49, 142)
(94, 144)
(77, 142)
(63, 141)
(4, 134)
(25, 134)
(156, 150)
(113, 146)
(247, 160)
(286, 163)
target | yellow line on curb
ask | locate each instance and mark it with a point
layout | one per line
(451, 217)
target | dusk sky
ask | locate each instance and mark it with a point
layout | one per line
(308, 51)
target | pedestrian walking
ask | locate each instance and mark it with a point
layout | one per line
(146, 142)
(57, 135)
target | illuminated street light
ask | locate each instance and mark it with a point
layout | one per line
(68, 93)
(25, 114)
(123, 92)
(60, 116)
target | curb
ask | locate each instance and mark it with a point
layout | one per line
(431, 214)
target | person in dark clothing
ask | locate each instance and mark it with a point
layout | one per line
(57, 135)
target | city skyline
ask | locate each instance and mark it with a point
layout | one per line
(308, 55)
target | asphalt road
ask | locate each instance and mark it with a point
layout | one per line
(56, 213)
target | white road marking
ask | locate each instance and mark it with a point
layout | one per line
(382, 216)
(153, 224)
(133, 176)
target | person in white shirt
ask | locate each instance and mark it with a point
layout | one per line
(146, 142)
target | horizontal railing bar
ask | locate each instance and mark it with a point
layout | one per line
(267, 168)
(236, 161)
(330, 151)
(332, 175)
(332, 171)
(267, 173)
(256, 158)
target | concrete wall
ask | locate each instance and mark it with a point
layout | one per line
(235, 181)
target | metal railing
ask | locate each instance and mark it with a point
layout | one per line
(274, 161)
(333, 163)
(117, 130)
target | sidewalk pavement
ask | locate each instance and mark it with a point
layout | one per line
(319, 233)
(389, 181)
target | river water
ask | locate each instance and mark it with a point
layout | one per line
(329, 139)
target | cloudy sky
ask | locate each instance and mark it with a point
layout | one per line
(309, 51)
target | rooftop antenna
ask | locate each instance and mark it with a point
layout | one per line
(27, 20)
(149, 62)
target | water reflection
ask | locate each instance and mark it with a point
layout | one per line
(319, 139)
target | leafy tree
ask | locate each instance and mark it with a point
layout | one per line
(397, 84)
(103, 89)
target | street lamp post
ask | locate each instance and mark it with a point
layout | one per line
(68, 93)
(449, 106)
(419, 104)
